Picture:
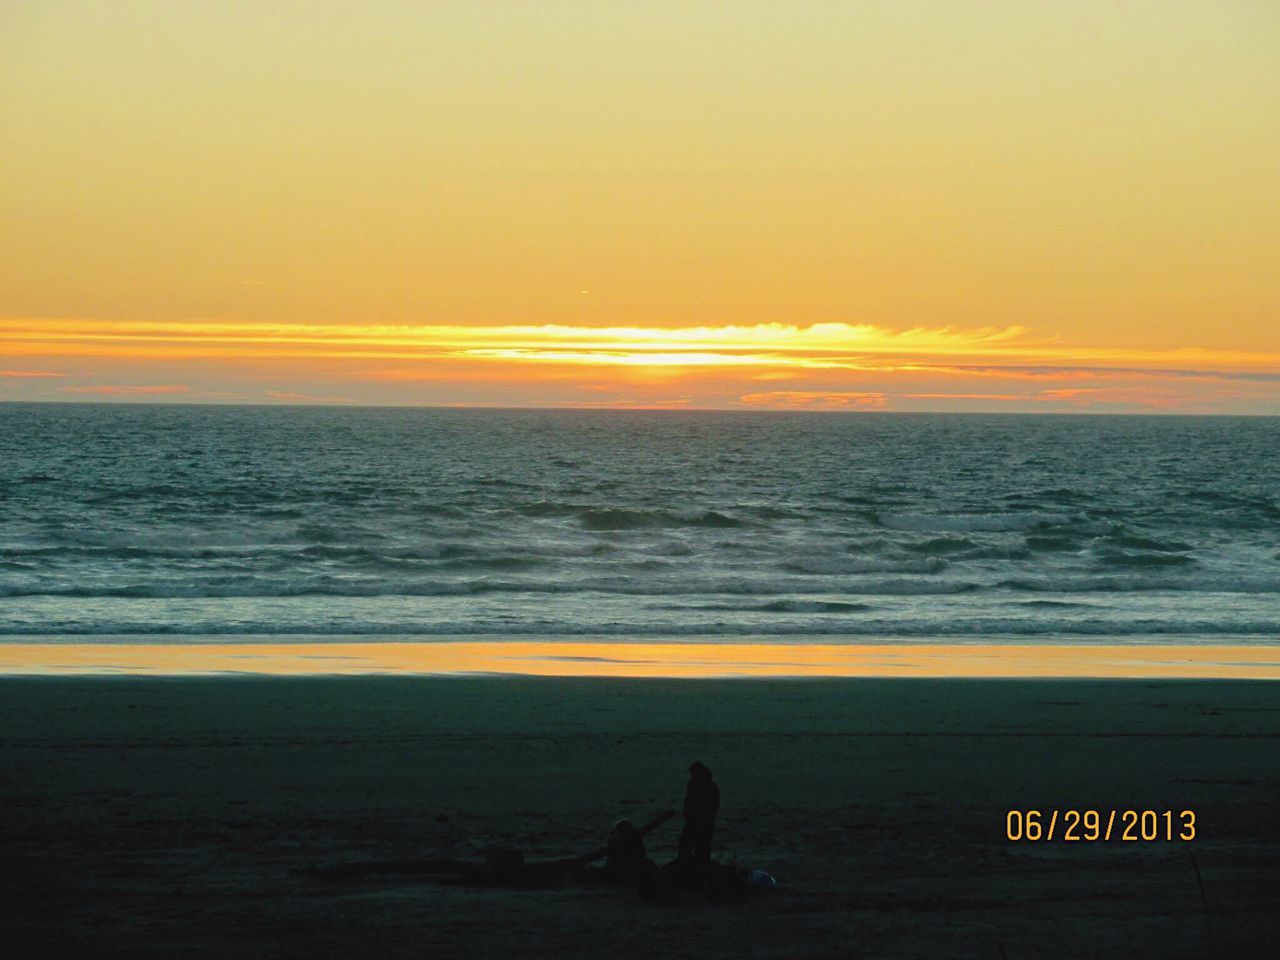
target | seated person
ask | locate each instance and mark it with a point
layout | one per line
(626, 857)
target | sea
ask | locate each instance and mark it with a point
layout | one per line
(175, 523)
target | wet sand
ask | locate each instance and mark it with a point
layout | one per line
(636, 657)
(168, 817)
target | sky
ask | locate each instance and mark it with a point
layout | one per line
(907, 205)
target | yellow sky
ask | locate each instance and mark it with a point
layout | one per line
(899, 205)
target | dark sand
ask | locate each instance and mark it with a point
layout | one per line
(168, 817)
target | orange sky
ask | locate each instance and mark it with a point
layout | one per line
(879, 206)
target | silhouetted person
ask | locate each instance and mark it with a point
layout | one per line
(701, 804)
(626, 858)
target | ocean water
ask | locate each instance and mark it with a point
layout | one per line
(188, 522)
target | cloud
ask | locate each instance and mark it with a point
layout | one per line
(290, 397)
(963, 396)
(824, 366)
(1152, 398)
(146, 390)
(1020, 372)
(617, 403)
(983, 351)
(29, 374)
(815, 399)
(767, 344)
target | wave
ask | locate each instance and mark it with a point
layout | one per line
(1265, 505)
(443, 555)
(651, 579)
(1054, 604)
(974, 522)
(943, 546)
(1123, 558)
(1133, 541)
(603, 519)
(782, 606)
(840, 629)
(331, 586)
(1116, 583)
(618, 519)
(1055, 544)
(843, 566)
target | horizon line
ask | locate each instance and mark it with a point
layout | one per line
(736, 411)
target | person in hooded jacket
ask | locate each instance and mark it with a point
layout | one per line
(701, 804)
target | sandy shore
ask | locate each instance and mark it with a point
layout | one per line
(169, 817)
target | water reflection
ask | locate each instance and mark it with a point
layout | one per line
(614, 659)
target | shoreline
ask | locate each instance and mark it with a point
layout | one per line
(615, 658)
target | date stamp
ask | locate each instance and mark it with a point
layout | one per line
(1100, 826)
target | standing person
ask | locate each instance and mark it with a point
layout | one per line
(701, 803)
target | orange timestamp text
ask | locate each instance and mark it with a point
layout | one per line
(1091, 826)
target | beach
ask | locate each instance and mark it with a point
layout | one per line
(639, 480)
(175, 816)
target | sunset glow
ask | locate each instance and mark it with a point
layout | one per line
(908, 206)
(803, 367)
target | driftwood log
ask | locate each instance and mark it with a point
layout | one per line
(500, 867)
